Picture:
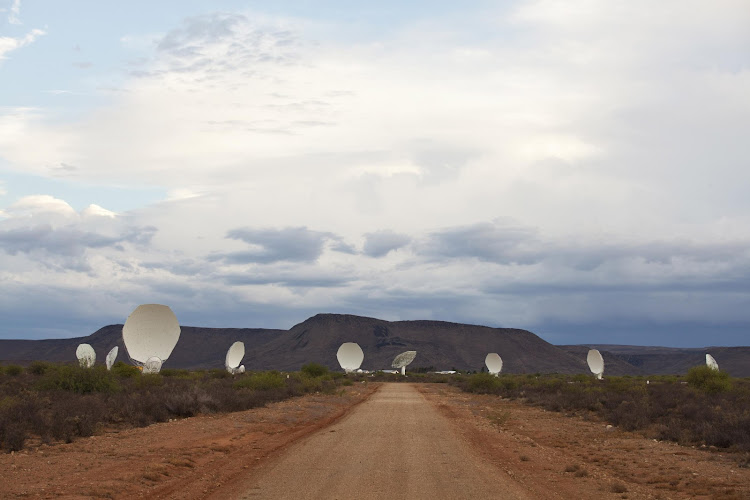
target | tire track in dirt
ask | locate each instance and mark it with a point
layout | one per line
(394, 445)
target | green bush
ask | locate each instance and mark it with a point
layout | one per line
(708, 380)
(73, 378)
(124, 370)
(314, 369)
(149, 380)
(179, 373)
(13, 370)
(39, 367)
(263, 381)
(483, 383)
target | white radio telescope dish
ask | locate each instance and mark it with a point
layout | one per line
(111, 356)
(596, 363)
(150, 331)
(234, 357)
(403, 360)
(711, 362)
(86, 355)
(152, 365)
(350, 356)
(494, 363)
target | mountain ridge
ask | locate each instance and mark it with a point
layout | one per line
(440, 345)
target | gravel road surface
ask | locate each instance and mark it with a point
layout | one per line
(394, 445)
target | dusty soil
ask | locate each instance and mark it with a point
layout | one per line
(395, 445)
(187, 458)
(555, 456)
(403, 441)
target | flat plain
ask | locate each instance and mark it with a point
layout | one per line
(390, 440)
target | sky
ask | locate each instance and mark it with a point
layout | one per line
(576, 168)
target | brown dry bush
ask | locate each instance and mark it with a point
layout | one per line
(59, 403)
(691, 414)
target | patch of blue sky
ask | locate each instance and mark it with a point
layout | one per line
(78, 195)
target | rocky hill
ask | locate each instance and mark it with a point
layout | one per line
(440, 346)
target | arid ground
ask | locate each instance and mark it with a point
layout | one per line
(375, 441)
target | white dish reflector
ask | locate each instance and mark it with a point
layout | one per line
(596, 363)
(494, 363)
(111, 356)
(150, 331)
(86, 355)
(403, 360)
(152, 365)
(234, 357)
(350, 356)
(711, 362)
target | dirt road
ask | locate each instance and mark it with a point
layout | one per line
(402, 441)
(395, 445)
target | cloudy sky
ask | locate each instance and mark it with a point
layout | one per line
(580, 169)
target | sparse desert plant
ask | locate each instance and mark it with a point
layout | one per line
(13, 370)
(39, 367)
(619, 487)
(314, 369)
(263, 381)
(124, 370)
(708, 380)
(73, 378)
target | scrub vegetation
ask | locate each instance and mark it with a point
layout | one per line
(704, 408)
(48, 403)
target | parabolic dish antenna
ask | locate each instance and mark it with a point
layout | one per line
(403, 360)
(350, 356)
(234, 357)
(494, 363)
(111, 356)
(711, 362)
(152, 365)
(150, 331)
(596, 363)
(86, 355)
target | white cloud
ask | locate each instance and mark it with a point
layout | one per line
(9, 44)
(601, 131)
(15, 12)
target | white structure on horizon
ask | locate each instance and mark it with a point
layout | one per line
(711, 362)
(111, 356)
(350, 356)
(403, 360)
(234, 357)
(150, 334)
(86, 355)
(494, 363)
(596, 363)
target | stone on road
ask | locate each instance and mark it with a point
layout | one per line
(394, 445)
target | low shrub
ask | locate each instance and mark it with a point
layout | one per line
(263, 381)
(73, 378)
(708, 380)
(13, 370)
(39, 367)
(123, 370)
(314, 369)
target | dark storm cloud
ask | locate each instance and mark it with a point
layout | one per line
(68, 241)
(485, 241)
(380, 243)
(287, 280)
(292, 244)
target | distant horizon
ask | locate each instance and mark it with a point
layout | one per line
(596, 343)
